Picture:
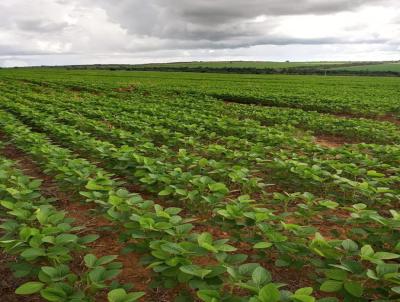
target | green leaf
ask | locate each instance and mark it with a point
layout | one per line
(88, 239)
(202, 162)
(269, 293)
(225, 248)
(367, 251)
(329, 204)
(349, 245)
(373, 173)
(303, 295)
(372, 275)
(396, 289)
(117, 295)
(336, 274)
(302, 298)
(248, 268)
(386, 268)
(173, 210)
(218, 187)
(262, 245)
(205, 240)
(354, 288)
(163, 225)
(386, 256)
(260, 276)
(91, 185)
(106, 259)
(66, 238)
(195, 270)
(173, 248)
(331, 286)
(359, 206)
(29, 288)
(304, 291)
(134, 296)
(90, 260)
(165, 192)
(97, 274)
(7, 204)
(181, 192)
(209, 247)
(33, 253)
(207, 295)
(50, 271)
(53, 294)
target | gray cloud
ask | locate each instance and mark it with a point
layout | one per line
(41, 26)
(199, 19)
(223, 23)
(157, 29)
(215, 12)
(18, 50)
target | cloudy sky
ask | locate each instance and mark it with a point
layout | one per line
(56, 32)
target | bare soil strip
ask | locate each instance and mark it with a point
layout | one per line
(330, 141)
(8, 283)
(390, 119)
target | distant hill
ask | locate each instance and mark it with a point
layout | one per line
(379, 67)
(241, 64)
(388, 68)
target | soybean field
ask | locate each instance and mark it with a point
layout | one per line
(164, 186)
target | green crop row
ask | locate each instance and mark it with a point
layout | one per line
(159, 175)
(363, 96)
(350, 128)
(172, 247)
(260, 203)
(44, 242)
